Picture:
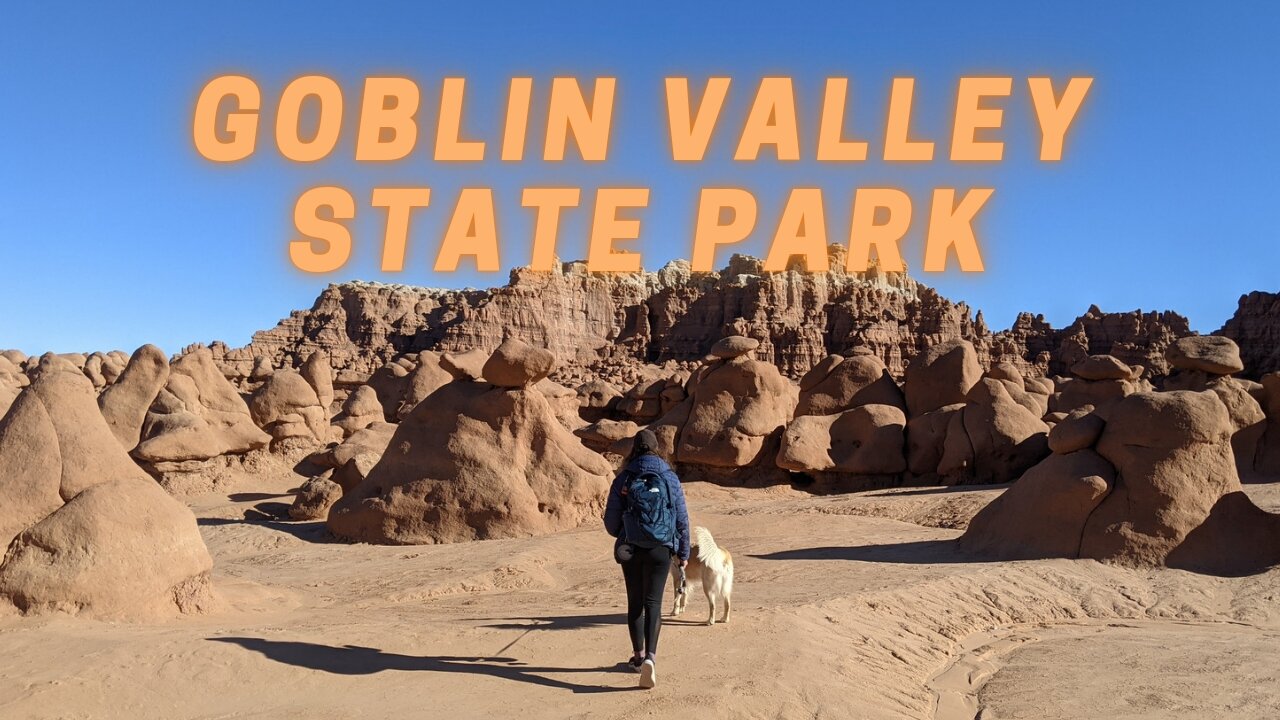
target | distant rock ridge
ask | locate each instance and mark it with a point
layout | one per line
(596, 323)
(1256, 329)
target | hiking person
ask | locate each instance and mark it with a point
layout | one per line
(646, 513)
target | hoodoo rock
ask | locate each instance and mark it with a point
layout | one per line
(319, 375)
(866, 440)
(1207, 353)
(737, 409)
(124, 405)
(286, 407)
(517, 364)
(360, 410)
(1165, 494)
(941, 375)
(198, 416)
(838, 383)
(476, 461)
(87, 531)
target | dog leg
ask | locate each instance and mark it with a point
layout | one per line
(711, 604)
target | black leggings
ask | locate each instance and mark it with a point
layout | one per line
(646, 576)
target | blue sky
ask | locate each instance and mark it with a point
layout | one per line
(114, 232)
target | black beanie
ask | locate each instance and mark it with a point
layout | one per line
(645, 441)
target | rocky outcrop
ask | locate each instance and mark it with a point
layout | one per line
(1256, 329)
(476, 461)
(1157, 488)
(87, 531)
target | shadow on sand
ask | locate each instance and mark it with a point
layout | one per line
(313, 531)
(566, 622)
(357, 660)
(919, 552)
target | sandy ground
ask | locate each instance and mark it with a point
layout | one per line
(853, 606)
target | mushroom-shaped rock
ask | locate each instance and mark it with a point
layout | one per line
(124, 405)
(1101, 367)
(735, 408)
(518, 364)
(1212, 354)
(941, 375)
(467, 365)
(733, 346)
(87, 531)
(866, 440)
(481, 462)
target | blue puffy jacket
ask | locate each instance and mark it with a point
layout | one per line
(617, 502)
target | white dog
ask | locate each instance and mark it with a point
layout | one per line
(710, 565)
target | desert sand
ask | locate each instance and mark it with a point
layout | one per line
(380, 510)
(847, 606)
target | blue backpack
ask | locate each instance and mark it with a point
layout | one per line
(650, 519)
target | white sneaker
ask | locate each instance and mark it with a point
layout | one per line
(648, 674)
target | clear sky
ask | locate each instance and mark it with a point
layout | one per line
(114, 232)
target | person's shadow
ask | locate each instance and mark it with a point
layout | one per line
(357, 660)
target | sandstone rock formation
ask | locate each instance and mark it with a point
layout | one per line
(125, 403)
(476, 461)
(314, 499)
(198, 416)
(360, 410)
(737, 407)
(1159, 488)
(1255, 327)
(838, 383)
(319, 375)
(865, 440)
(286, 407)
(87, 531)
(941, 375)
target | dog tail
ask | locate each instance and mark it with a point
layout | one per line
(708, 551)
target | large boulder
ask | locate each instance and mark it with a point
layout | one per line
(517, 364)
(286, 407)
(866, 440)
(941, 375)
(87, 531)
(838, 383)
(1211, 354)
(360, 410)
(1158, 488)
(198, 416)
(314, 499)
(736, 407)
(1041, 515)
(124, 404)
(472, 462)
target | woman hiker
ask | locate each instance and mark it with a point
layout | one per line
(646, 513)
